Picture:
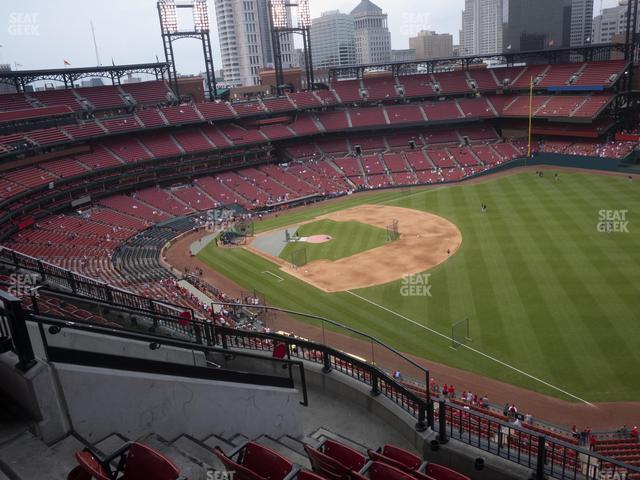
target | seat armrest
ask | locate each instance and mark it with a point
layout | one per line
(293, 473)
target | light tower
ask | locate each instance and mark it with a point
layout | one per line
(167, 11)
(280, 26)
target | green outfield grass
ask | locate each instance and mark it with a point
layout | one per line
(347, 239)
(545, 291)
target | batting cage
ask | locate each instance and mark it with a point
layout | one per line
(392, 231)
(237, 234)
(460, 333)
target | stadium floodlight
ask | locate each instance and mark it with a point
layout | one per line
(200, 15)
(279, 13)
(168, 16)
(304, 15)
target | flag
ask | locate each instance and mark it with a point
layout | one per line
(552, 43)
(67, 63)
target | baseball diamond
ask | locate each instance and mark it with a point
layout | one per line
(546, 292)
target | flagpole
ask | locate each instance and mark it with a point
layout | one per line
(530, 117)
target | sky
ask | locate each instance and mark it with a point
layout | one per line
(43, 33)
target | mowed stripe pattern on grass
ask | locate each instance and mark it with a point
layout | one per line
(348, 238)
(545, 291)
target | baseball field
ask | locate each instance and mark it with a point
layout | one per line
(548, 276)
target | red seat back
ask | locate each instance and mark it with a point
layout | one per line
(378, 457)
(241, 472)
(326, 466)
(144, 462)
(89, 464)
(347, 456)
(382, 471)
(410, 460)
(443, 473)
(78, 473)
(265, 462)
(307, 475)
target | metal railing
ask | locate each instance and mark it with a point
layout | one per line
(87, 287)
(546, 455)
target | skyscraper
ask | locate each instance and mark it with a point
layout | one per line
(428, 44)
(611, 22)
(581, 22)
(537, 24)
(482, 27)
(372, 37)
(333, 40)
(246, 46)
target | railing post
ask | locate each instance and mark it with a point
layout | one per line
(430, 414)
(326, 360)
(421, 426)
(41, 270)
(72, 281)
(198, 333)
(375, 388)
(19, 332)
(223, 339)
(542, 456)
(442, 420)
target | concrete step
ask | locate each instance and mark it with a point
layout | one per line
(239, 439)
(284, 450)
(189, 467)
(13, 421)
(297, 445)
(323, 433)
(27, 457)
(215, 441)
(110, 444)
(195, 449)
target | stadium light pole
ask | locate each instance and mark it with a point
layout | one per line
(278, 14)
(169, 28)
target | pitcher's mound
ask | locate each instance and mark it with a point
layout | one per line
(317, 239)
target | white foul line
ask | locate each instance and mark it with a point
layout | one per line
(472, 349)
(280, 279)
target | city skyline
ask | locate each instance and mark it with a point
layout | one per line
(37, 34)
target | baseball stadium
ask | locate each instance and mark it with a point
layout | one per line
(410, 270)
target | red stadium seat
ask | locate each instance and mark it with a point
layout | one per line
(438, 472)
(335, 460)
(135, 462)
(396, 457)
(256, 462)
(307, 475)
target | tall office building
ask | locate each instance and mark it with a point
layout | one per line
(581, 22)
(333, 40)
(537, 24)
(611, 22)
(428, 44)
(246, 45)
(372, 37)
(482, 27)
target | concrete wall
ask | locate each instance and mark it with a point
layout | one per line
(102, 401)
(91, 342)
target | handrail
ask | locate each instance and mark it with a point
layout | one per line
(335, 324)
(57, 325)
